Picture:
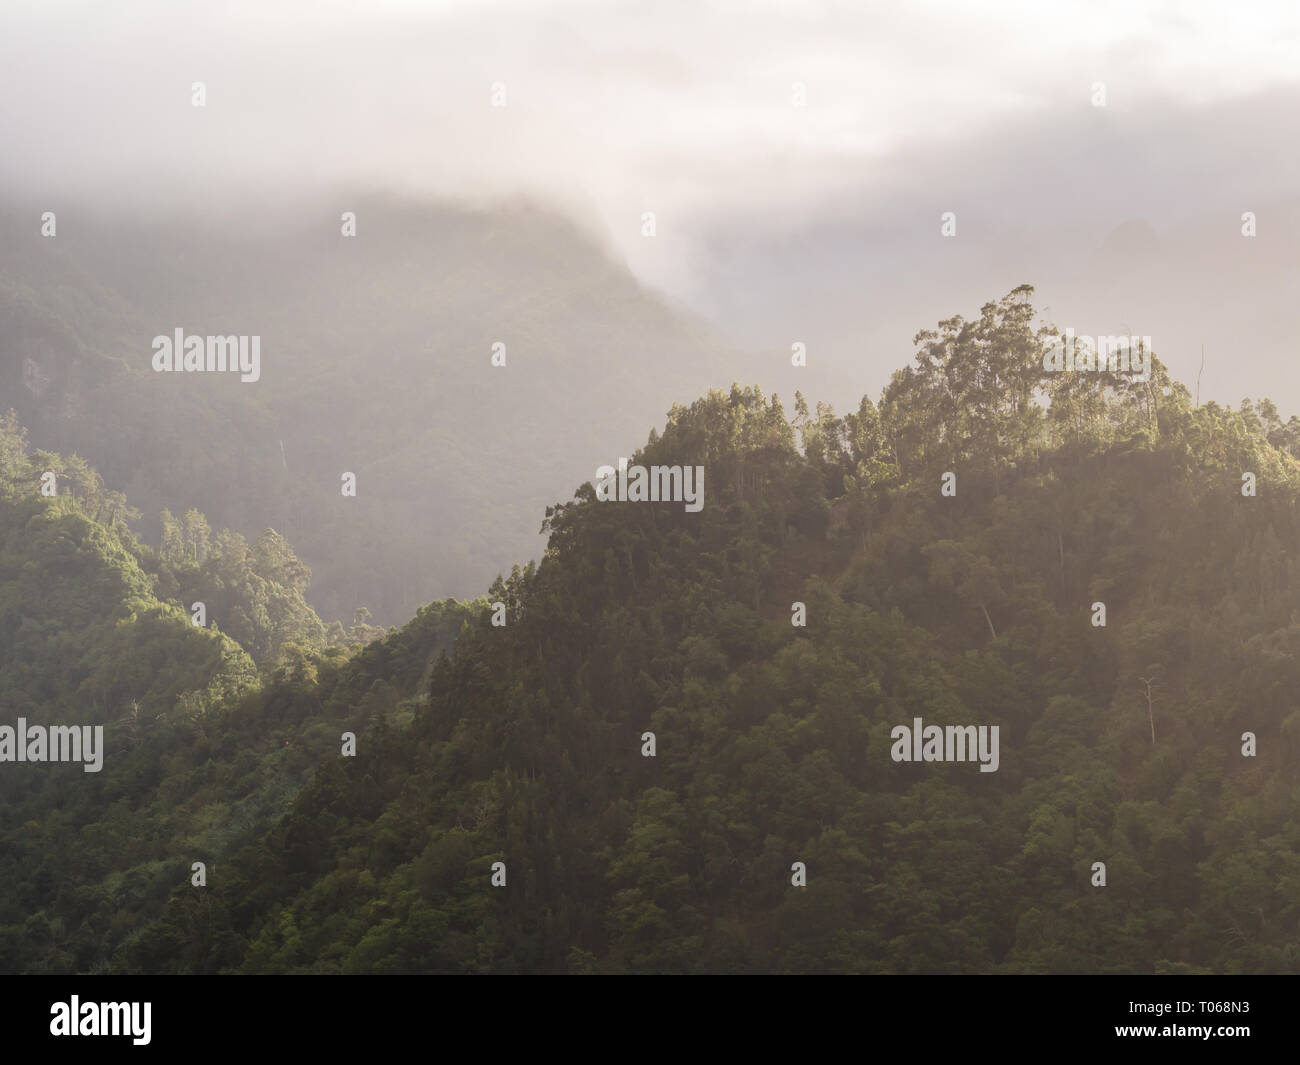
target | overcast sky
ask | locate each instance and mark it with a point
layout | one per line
(781, 222)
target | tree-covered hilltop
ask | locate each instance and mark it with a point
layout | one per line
(202, 747)
(1121, 743)
(255, 594)
(83, 630)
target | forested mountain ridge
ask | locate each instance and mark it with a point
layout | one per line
(772, 741)
(97, 629)
(78, 601)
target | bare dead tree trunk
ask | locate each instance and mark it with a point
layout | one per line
(1060, 551)
(1149, 683)
(1198, 378)
(992, 630)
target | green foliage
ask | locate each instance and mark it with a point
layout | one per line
(522, 744)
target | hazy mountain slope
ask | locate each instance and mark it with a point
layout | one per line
(376, 360)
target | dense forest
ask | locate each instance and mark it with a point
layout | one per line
(513, 729)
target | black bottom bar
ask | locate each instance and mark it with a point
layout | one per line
(343, 1015)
